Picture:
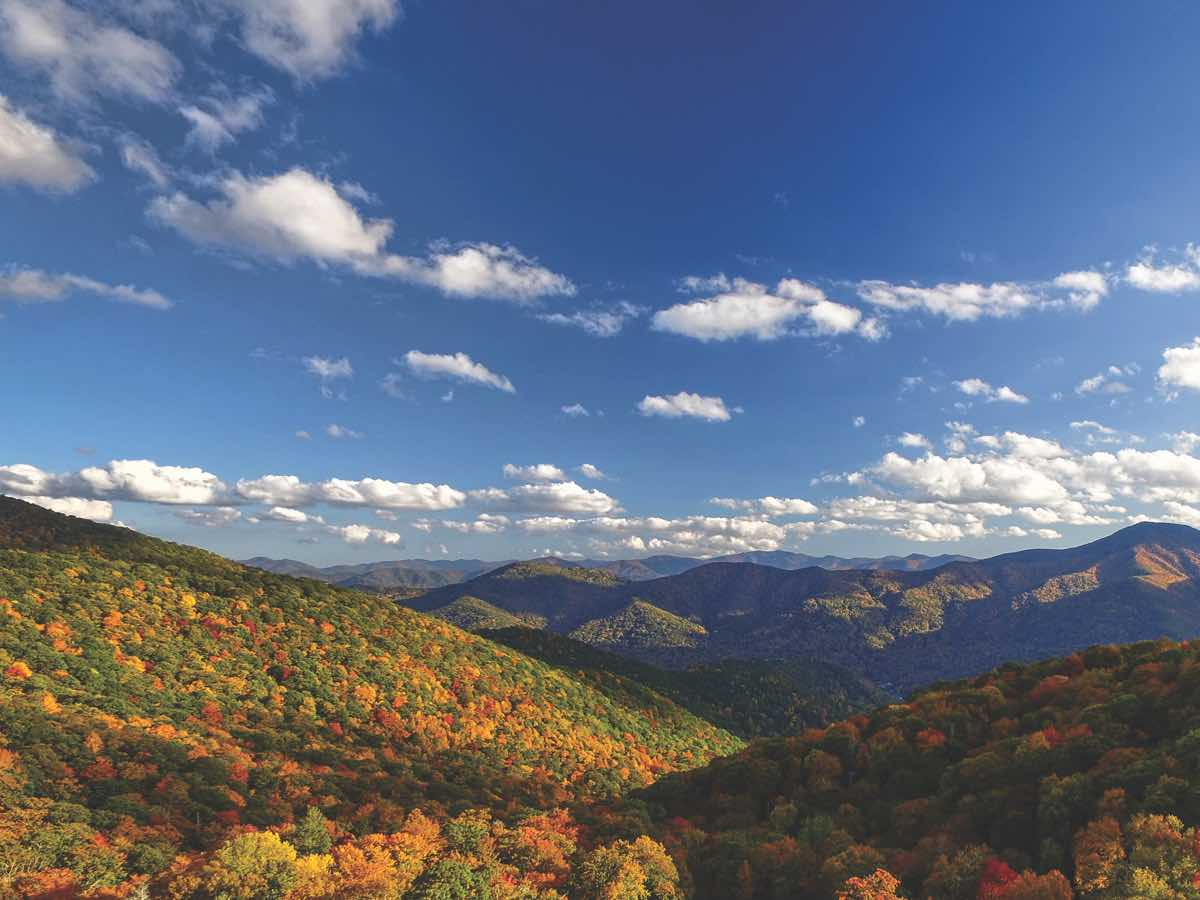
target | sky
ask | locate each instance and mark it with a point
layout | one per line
(344, 280)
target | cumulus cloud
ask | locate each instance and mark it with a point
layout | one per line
(539, 472)
(685, 404)
(291, 491)
(772, 507)
(562, 497)
(34, 155)
(290, 216)
(80, 507)
(308, 39)
(1181, 367)
(587, 470)
(296, 215)
(1086, 288)
(140, 480)
(457, 367)
(475, 270)
(911, 439)
(574, 410)
(596, 322)
(1146, 275)
(748, 309)
(23, 285)
(82, 56)
(977, 387)
(361, 534)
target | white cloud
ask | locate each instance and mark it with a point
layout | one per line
(80, 507)
(309, 39)
(456, 366)
(587, 470)
(475, 270)
(1181, 366)
(597, 322)
(772, 507)
(341, 432)
(485, 523)
(216, 121)
(674, 406)
(574, 410)
(285, 217)
(217, 517)
(747, 309)
(327, 368)
(297, 215)
(290, 516)
(858, 421)
(691, 536)
(82, 55)
(977, 387)
(1108, 382)
(705, 284)
(140, 480)
(23, 285)
(910, 439)
(289, 490)
(563, 497)
(963, 301)
(1165, 279)
(537, 472)
(361, 534)
(1087, 288)
(32, 154)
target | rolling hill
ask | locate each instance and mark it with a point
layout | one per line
(154, 698)
(903, 629)
(1072, 777)
(751, 698)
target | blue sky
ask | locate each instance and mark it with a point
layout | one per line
(303, 278)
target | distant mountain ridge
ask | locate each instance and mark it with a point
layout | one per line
(901, 628)
(405, 574)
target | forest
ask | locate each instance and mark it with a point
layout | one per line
(173, 724)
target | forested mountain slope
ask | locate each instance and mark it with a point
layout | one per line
(751, 698)
(1075, 776)
(154, 698)
(902, 629)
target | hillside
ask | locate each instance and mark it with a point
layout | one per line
(473, 614)
(902, 629)
(1082, 772)
(154, 696)
(642, 628)
(747, 697)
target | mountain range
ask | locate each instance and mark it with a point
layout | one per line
(403, 575)
(175, 724)
(901, 628)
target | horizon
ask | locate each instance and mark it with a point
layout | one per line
(423, 281)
